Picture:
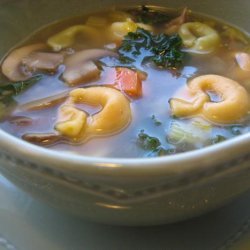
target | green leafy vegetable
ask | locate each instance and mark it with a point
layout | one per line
(12, 89)
(163, 50)
(153, 145)
(160, 151)
(156, 121)
(8, 91)
(218, 138)
(147, 142)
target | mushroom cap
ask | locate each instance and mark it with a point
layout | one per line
(12, 65)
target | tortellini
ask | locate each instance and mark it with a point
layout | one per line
(66, 38)
(199, 37)
(234, 104)
(114, 116)
(120, 29)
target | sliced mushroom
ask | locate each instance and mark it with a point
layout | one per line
(83, 72)
(42, 61)
(174, 25)
(80, 66)
(43, 103)
(243, 60)
(21, 120)
(12, 65)
(42, 138)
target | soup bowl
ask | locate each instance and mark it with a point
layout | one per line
(115, 190)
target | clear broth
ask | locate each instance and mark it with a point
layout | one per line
(160, 86)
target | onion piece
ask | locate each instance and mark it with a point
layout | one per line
(42, 61)
(12, 65)
(195, 131)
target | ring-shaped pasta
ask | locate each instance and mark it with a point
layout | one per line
(114, 116)
(233, 106)
(199, 37)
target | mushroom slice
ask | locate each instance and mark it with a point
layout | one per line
(174, 25)
(21, 120)
(80, 66)
(83, 72)
(42, 138)
(42, 61)
(12, 65)
(44, 103)
(243, 60)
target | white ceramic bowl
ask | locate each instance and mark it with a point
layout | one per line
(123, 191)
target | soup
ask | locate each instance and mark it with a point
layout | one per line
(128, 83)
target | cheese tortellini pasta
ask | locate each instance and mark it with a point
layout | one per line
(233, 106)
(199, 37)
(114, 116)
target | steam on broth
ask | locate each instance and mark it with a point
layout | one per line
(128, 83)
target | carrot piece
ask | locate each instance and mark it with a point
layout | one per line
(129, 82)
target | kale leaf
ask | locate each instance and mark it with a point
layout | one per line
(160, 151)
(15, 88)
(152, 145)
(218, 139)
(8, 91)
(156, 121)
(147, 142)
(161, 49)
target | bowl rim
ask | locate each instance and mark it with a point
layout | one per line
(68, 161)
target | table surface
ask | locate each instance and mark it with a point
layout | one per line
(28, 224)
